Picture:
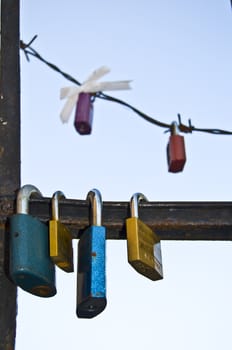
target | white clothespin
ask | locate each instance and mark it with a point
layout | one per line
(90, 85)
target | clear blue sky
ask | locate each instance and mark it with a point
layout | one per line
(178, 54)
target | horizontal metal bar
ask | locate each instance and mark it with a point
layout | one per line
(170, 220)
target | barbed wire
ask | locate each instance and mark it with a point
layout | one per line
(30, 51)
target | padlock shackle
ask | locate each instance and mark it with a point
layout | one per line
(55, 204)
(134, 203)
(23, 196)
(175, 129)
(95, 200)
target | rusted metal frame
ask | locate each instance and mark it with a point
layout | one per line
(9, 158)
(170, 220)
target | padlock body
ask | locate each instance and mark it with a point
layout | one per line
(91, 280)
(30, 265)
(60, 242)
(176, 153)
(84, 114)
(144, 251)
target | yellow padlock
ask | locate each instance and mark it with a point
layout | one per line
(61, 251)
(143, 245)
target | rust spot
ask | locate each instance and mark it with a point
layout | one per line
(42, 291)
(94, 254)
(1, 151)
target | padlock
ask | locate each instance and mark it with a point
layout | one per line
(91, 280)
(84, 114)
(60, 238)
(176, 155)
(30, 265)
(143, 245)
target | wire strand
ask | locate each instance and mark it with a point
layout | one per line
(29, 51)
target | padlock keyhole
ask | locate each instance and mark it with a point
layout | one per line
(91, 308)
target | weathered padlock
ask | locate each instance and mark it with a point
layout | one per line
(176, 150)
(84, 114)
(60, 238)
(91, 280)
(143, 245)
(30, 265)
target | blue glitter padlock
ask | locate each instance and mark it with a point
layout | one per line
(91, 280)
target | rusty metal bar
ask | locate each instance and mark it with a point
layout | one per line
(170, 220)
(9, 157)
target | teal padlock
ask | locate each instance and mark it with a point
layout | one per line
(30, 265)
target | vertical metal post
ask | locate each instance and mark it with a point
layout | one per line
(9, 157)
